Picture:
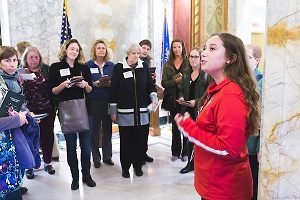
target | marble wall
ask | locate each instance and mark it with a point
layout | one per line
(119, 22)
(280, 164)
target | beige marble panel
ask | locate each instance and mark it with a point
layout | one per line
(279, 170)
(119, 22)
(38, 22)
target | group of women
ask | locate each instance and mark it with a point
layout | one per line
(217, 125)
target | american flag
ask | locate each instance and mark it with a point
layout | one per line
(66, 33)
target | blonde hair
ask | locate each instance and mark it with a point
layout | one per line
(62, 55)
(93, 50)
(21, 46)
(26, 52)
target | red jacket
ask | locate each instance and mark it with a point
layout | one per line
(222, 169)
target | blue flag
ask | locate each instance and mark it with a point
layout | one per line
(165, 44)
(66, 33)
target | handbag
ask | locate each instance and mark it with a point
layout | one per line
(10, 173)
(73, 116)
(167, 102)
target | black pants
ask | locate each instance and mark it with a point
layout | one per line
(132, 146)
(254, 170)
(146, 139)
(47, 134)
(178, 148)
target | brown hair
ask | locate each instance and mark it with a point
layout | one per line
(27, 50)
(7, 52)
(239, 72)
(172, 55)
(93, 50)
(62, 55)
(146, 42)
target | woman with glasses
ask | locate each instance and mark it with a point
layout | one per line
(192, 88)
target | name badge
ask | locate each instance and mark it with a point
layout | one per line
(128, 74)
(64, 72)
(94, 70)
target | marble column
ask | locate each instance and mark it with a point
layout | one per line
(280, 153)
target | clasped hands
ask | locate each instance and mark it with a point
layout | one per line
(179, 117)
(68, 84)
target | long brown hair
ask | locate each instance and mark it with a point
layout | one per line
(239, 72)
(172, 55)
(62, 55)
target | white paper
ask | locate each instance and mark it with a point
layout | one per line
(40, 116)
(28, 77)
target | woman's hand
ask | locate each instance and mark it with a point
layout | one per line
(114, 118)
(66, 84)
(96, 83)
(193, 102)
(82, 84)
(23, 119)
(178, 117)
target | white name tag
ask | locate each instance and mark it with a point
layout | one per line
(127, 74)
(94, 70)
(64, 72)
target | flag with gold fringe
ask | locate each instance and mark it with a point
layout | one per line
(66, 33)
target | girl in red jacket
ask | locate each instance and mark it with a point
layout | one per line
(229, 114)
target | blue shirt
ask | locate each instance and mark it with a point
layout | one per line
(100, 93)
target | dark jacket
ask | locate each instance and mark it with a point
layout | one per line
(171, 88)
(201, 86)
(131, 91)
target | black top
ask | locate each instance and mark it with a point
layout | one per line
(190, 110)
(56, 77)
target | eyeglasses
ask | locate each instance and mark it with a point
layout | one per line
(194, 57)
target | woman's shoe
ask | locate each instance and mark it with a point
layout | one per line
(74, 184)
(138, 172)
(174, 158)
(125, 174)
(184, 158)
(89, 181)
(49, 169)
(29, 173)
(188, 168)
(23, 190)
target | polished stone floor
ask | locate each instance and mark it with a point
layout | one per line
(161, 179)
